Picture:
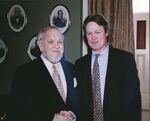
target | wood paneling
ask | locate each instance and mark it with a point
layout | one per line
(141, 34)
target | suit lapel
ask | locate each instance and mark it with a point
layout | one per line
(69, 78)
(87, 84)
(109, 66)
(112, 65)
(87, 68)
(47, 81)
(110, 82)
(45, 74)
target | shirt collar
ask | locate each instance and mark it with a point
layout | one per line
(48, 63)
(104, 52)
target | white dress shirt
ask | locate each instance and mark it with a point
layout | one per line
(103, 61)
(60, 71)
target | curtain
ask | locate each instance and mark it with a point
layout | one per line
(119, 15)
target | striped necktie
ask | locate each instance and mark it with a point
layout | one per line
(96, 87)
(58, 82)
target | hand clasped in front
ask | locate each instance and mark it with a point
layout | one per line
(64, 116)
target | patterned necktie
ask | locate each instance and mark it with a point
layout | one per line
(96, 87)
(58, 82)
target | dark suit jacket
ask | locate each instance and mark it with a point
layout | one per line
(122, 100)
(35, 96)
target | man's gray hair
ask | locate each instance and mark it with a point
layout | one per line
(40, 34)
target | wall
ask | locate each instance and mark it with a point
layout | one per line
(141, 35)
(37, 12)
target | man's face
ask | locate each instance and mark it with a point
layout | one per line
(51, 45)
(17, 11)
(96, 36)
(60, 13)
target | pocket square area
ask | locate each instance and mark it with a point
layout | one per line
(75, 82)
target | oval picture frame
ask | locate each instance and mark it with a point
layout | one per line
(3, 51)
(33, 50)
(60, 18)
(17, 18)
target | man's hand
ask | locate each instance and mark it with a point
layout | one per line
(64, 116)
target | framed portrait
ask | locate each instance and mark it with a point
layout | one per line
(33, 49)
(16, 18)
(60, 17)
(3, 51)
